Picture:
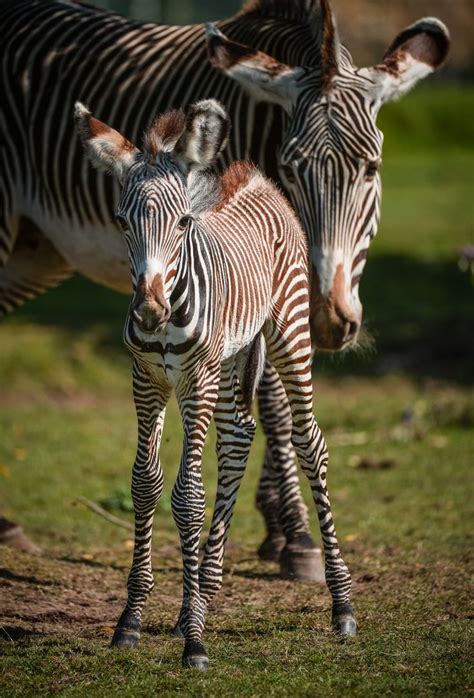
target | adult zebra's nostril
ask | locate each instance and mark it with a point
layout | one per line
(352, 330)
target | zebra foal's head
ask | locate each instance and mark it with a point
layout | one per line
(163, 187)
(329, 160)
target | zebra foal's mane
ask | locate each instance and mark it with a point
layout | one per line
(208, 191)
(164, 133)
(212, 193)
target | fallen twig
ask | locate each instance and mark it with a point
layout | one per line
(97, 509)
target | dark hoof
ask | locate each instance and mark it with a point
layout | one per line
(127, 632)
(301, 563)
(343, 621)
(195, 656)
(271, 548)
(177, 632)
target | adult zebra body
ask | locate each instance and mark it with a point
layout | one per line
(217, 264)
(309, 122)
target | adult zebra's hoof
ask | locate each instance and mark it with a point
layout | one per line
(270, 549)
(303, 561)
(343, 621)
(177, 632)
(127, 632)
(195, 656)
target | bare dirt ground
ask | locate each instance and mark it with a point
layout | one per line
(50, 596)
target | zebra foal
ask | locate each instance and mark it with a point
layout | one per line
(219, 267)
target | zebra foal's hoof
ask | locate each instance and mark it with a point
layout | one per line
(195, 656)
(343, 621)
(302, 563)
(271, 548)
(127, 631)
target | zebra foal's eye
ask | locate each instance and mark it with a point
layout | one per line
(183, 222)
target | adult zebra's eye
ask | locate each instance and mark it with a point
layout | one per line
(288, 173)
(122, 222)
(372, 168)
(184, 222)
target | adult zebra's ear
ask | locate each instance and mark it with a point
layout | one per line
(417, 51)
(204, 136)
(106, 148)
(264, 78)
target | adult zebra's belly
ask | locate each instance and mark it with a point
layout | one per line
(98, 252)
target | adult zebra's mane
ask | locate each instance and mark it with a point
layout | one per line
(312, 29)
(303, 11)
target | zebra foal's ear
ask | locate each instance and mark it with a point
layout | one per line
(106, 148)
(205, 134)
(416, 52)
(264, 78)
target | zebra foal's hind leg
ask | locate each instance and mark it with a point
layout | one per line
(235, 433)
(197, 397)
(294, 367)
(147, 486)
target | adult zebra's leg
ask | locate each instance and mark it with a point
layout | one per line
(147, 486)
(294, 367)
(279, 495)
(197, 397)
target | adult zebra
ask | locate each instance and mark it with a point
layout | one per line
(219, 269)
(309, 122)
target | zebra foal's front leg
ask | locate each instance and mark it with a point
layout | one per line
(147, 486)
(197, 397)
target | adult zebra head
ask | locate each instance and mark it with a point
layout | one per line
(163, 187)
(329, 160)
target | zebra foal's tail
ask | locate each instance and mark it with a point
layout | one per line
(250, 364)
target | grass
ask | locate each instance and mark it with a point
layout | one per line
(405, 534)
(68, 430)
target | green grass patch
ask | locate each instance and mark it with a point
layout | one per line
(405, 532)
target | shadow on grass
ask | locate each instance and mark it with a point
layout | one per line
(27, 579)
(420, 313)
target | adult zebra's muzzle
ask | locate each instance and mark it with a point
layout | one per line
(335, 322)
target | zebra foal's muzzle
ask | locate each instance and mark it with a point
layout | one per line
(150, 309)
